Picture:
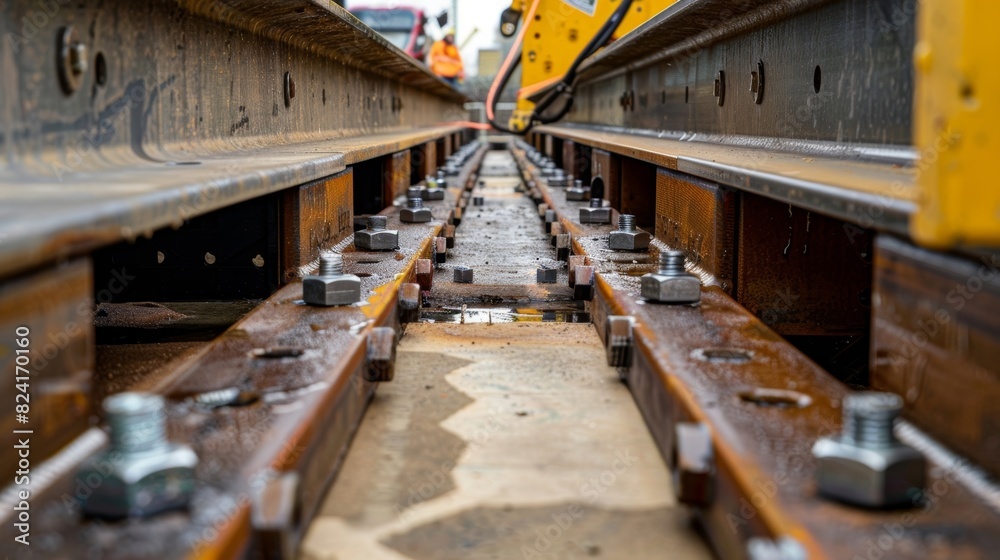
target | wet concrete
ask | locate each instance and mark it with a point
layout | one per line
(506, 438)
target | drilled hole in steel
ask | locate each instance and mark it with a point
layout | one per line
(687, 93)
(277, 352)
(362, 274)
(777, 398)
(100, 69)
(722, 355)
(368, 262)
(183, 163)
(817, 79)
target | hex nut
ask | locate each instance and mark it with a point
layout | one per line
(463, 275)
(671, 289)
(875, 478)
(344, 289)
(578, 193)
(432, 193)
(142, 473)
(415, 215)
(374, 240)
(546, 275)
(381, 355)
(590, 215)
(637, 240)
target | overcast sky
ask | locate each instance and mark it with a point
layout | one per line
(484, 14)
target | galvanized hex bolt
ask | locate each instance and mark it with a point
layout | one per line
(627, 237)
(546, 275)
(415, 213)
(381, 354)
(331, 286)
(415, 191)
(578, 191)
(618, 339)
(375, 237)
(596, 213)
(463, 275)
(141, 473)
(478, 201)
(694, 466)
(671, 283)
(560, 179)
(866, 465)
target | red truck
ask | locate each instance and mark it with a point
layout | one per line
(403, 26)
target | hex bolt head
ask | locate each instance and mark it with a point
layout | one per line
(440, 250)
(415, 213)
(375, 237)
(563, 241)
(865, 464)
(578, 191)
(671, 283)
(583, 287)
(331, 287)
(595, 213)
(141, 473)
(695, 465)
(478, 201)
(572, 262)
(424, 270)
(546, 275)
(433, 193)
(381, 355)
(618, 338)
(627, 237)
(463, 275)
(409, 301)
(550, 218)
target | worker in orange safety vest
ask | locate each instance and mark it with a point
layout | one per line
(446, 62)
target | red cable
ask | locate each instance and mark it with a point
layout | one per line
(514, 50)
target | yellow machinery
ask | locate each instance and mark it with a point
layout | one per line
(558, 31)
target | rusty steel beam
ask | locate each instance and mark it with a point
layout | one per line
(762, 404)
(179, 109)
(264, 463)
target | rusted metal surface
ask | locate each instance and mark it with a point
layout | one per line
(397, 175)
(699, 218)
(708, 363)
(800, 272)
(181, 112)
(606, 166)
(869, 195)
(315, 217)
(936, 342)
(306, 367)
(47, 352)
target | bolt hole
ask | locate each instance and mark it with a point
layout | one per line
(100, 69)
(817, 79)
(368, 262)
(172, 163)
(362, 274)
(687, 93)
(722, 355)
(775, 398)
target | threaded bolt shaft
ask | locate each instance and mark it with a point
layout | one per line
(331, 265)
(596, 203)
(578, 184)
(672, 262)
(868, 418)
(377, 223)
(415, 203)
(626, 222)
(138, 421)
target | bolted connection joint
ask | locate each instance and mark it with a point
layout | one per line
(375, 237)
(671, 283)
(627, 237)
(415, 213)
(141, 473)
(331, 286)
(618, 340)
(865, 464)
(596, 213)
(381, 355)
